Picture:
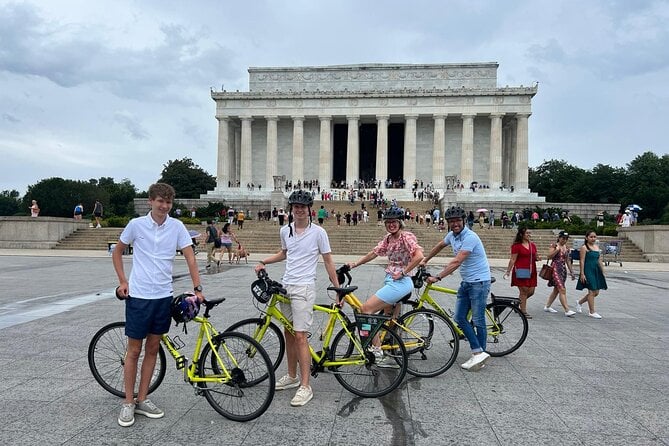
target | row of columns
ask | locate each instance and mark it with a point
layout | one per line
(228, 154)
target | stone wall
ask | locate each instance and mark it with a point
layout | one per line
(35, 233)
(653, 241)
(373, 77)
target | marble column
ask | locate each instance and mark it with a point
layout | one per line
(298, 150)
(224, 158)
(521, 166)
(410, 150)
(245, 161)
(495, 168)
(352, 151)
(325, 153)
(382, 149)
(237, 150)
(272, 152)
(467, 154)
(438, 151)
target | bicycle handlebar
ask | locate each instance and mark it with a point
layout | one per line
(273, 286)
(344, 275)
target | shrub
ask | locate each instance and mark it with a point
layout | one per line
(116, 222)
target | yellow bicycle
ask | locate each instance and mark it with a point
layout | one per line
(346, 354)
(430, 340)
(231, 370)
(507, 326)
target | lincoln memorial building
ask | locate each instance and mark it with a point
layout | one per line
(449, 127)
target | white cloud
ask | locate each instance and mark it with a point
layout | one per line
(118, 88)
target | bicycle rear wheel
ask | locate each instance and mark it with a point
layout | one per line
(106, 359)
(507, 328)
(272, 340)
(371, 379)
(247, 378)
(431, 342)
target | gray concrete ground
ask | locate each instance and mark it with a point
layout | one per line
(575, 380)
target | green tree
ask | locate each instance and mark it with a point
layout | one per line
(558, 181)
(120, 196)
(57, 197)
(9, 202)
(187, 178)
(647, 184)
(604, 184)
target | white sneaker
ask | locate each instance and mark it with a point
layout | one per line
(302, 396)
(287, 382)
(467, 364)
(569, 313)
(382, 361)
(579, 308)
(550, 310)
(478, 361)
(127, 416)
(594, 315)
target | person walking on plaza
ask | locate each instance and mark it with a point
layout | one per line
(471, 259)
(240, 219)
(559, 254)
(301, 244)
(322, 213)
(522, 266)
(591, 276)
(97, 213)
(404, 254)
(212, 243)
(227, 238)
(491, 219)
(155, 238)
(34, 209)
(78, 211)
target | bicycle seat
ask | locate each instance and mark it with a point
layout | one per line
(211, 303)
(406, 298)
(343, 290)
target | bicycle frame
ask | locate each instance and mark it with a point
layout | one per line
(206, 331)
(426, 298)
(321, 358)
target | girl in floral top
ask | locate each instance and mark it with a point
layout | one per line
(404, 254)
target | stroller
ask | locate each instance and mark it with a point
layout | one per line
(611, 251)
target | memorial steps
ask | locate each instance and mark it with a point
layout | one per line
(262, 237)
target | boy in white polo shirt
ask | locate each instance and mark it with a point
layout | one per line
(148, 295)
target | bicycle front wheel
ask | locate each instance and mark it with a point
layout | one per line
(507, 328)
(431, 342)
(272, 339)
(373, 378)
(106, 359)
(246, 377)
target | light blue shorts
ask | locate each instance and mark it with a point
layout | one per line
(394, 290)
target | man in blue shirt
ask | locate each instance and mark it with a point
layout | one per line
(471, 258)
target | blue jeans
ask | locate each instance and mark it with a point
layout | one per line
(473, 296)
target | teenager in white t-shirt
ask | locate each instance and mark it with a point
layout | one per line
(301, 244)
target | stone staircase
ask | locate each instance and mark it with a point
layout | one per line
(262, 236)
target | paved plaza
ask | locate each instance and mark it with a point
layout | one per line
(575, 381)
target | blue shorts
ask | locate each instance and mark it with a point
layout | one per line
(394, 290)
(147, 316)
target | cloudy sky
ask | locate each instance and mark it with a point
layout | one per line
(118, 88)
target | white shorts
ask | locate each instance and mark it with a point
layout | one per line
(301, 308)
